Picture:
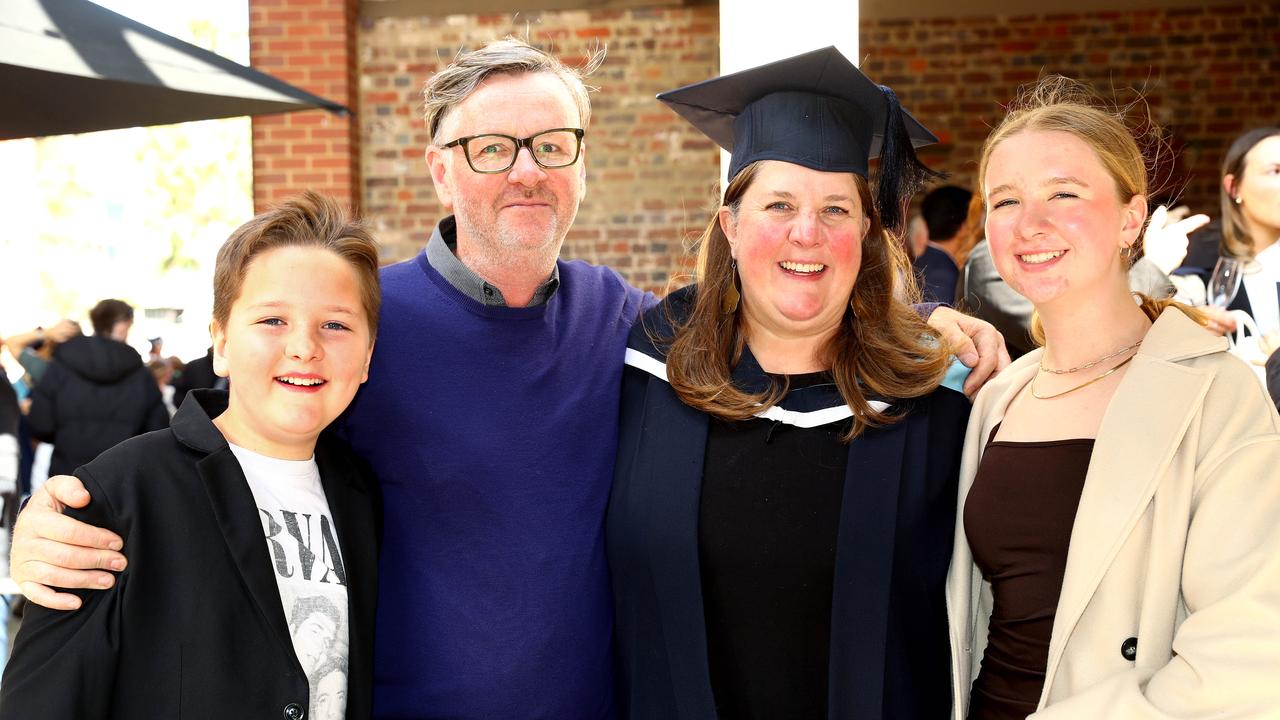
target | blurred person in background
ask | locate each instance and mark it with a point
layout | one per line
(196, 374)
(943, 210)
(9, 455)
(156, 352)
(1248, 230)
(95, 393)
(34, 348)
(162, 371)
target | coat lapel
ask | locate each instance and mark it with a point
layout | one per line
(678, 434)
(1154, 405)
(864, 570)
(347, 495)
(233, 506)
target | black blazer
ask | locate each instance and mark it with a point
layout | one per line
(889, 646)
(194, 627)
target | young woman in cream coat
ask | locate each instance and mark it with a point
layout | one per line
(1158, 595)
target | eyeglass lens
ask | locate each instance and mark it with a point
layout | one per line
(555, 148)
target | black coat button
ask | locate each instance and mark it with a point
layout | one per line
(294, 711)
(1129, 649)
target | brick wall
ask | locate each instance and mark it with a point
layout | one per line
(1207, 74)
(650, 177)
(312, 44)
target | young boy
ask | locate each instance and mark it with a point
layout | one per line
(252, 538)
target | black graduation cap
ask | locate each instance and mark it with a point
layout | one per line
(815, 110)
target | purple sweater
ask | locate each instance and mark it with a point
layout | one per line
(493, 432)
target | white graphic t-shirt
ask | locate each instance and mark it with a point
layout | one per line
(303, 546)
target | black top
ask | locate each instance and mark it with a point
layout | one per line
(767, 527)
(1018, 518)
(937, 274)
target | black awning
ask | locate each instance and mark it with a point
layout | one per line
(70, 66)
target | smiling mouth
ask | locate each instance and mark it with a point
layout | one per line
(301, 383)
(1041, 258)
(799, 268)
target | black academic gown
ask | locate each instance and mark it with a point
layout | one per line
(889, 647)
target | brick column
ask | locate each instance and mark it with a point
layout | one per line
(312, 44)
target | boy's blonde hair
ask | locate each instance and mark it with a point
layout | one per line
(308, 220)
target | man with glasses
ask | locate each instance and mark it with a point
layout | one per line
(490, 416)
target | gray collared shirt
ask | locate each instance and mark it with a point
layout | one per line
(442, 256)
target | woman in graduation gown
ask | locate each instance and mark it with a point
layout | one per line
(781, 516)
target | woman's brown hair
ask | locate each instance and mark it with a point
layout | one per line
(308, 220)
(882, 348)
(1059, 104)
(1235, 231)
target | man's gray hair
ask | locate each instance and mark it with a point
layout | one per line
(449, 87)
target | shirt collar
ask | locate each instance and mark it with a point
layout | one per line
(443, 258)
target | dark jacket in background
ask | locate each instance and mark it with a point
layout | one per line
(194, 627)
(195, 375)
(1204, 247)
(937, 274)
(9, 413)
(95, 394)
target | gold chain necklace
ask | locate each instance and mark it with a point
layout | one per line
(1088, 365)
(1085, 384)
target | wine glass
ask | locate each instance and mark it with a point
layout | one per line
(1225, 282)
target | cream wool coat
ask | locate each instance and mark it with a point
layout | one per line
(1176, 543)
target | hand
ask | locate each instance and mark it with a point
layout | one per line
(1165, 242)
(976, 343)
(1221, 321)
(63, 331)
(51, 549)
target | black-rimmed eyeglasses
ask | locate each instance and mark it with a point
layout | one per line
(493, 153)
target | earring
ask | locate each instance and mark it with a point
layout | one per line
(729, 301)
(1239, 200)
(1126, 253)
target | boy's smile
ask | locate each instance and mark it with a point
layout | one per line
(296, 348)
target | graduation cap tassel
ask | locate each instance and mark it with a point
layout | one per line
(900, 174)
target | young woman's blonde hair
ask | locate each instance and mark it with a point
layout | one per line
(1060, 104)
(883, 348)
